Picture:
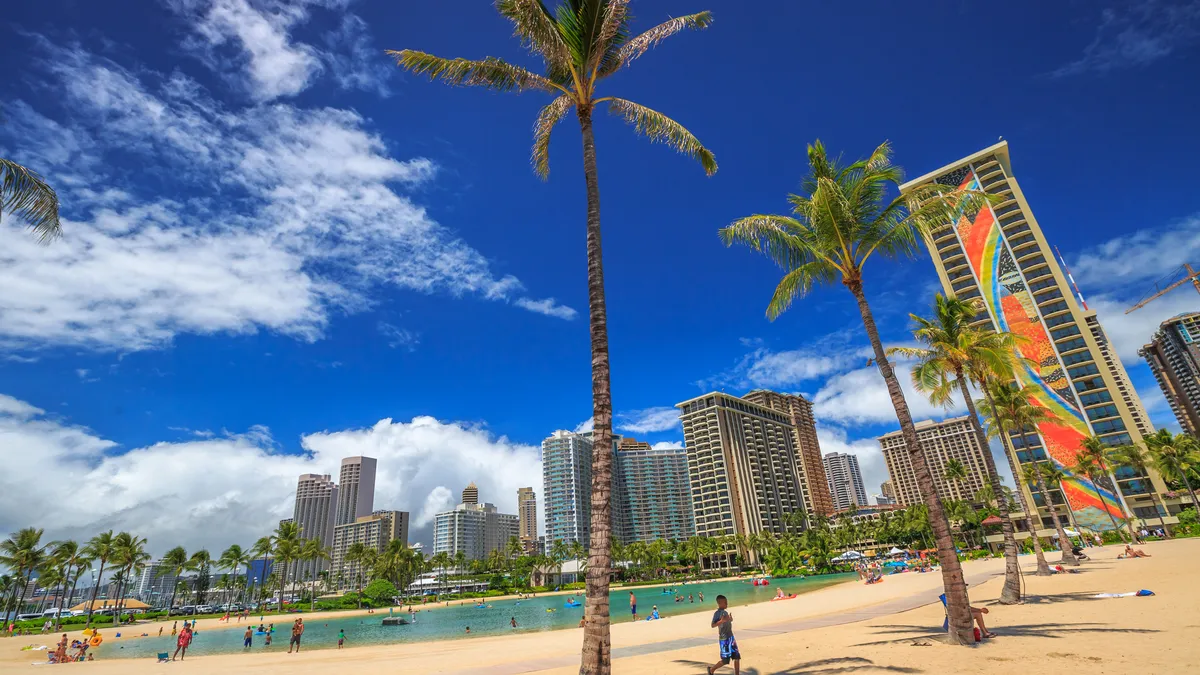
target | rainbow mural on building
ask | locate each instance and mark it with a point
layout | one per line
(1012, 308)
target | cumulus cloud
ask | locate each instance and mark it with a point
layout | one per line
(668, 445)
(585, 426)
(767, 368)
(649, 420)
(278, 216)
(247, 484)
(867, 450)
(861, 397)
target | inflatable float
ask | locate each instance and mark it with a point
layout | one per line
(786, 597)
(762, 582)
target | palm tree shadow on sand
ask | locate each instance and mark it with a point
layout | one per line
(845, 664)
(1053, 631)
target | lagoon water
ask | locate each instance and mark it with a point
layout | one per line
(451, 622)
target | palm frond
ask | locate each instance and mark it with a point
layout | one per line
(490, 72)
(662, 129)
(638, 45)
(27, 195)
(780, 238)
(797, 284)
(549, 116)
(612, 33)
(537, 30)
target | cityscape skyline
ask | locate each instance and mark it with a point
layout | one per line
(199, 374)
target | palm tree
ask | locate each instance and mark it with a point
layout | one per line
(1175, 456)
(233, 559)
(262, 549)
(26, 194)
(581, 43)
(1134, 457)
(133, 558)
(201, 561)
(69, 560)
(954, 353)
(173, 564)
(954, 472)
(312, 551)
(99, 547)
(841, 220)
(1007, 409)
(287, 547)
(356, 555)
(559, 552)
(1092, 461)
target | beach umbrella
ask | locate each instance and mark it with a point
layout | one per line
(896, 551)
(991, 520)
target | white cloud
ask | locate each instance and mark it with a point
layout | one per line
(668, 445)
(585, 426)
(766, 368)
(861, 397)
(355, 61)
(399, 337)
(439, 499)
(247, 484)
(547, 306)
(278, 216)
(1137, 34)
(649, 420)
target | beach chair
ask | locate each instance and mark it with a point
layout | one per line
(946, 623)
(163, 657)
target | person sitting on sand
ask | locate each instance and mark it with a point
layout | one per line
(1131, 552)
(977, 613)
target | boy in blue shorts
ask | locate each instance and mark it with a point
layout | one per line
(723, 621)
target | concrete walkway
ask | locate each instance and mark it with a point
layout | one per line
(836, 619)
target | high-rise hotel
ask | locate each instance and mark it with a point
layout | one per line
(1174, 357)
(999, 256)
(744, 467)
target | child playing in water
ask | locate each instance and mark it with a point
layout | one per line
(341, 637)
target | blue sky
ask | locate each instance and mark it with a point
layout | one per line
(279, 249)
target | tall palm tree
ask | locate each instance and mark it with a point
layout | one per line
(1092, 461)
(234, 558)
(1134, 457)
(287, 547)
(842, 219)
(1175, 456)
(955, 473)
(68, 558)
(131, 557)
(173, 564)
(1007, 409)
(356, 555)
(954, 352)
(312, 551)
(581, 43)
(201, 561)
(99, 547)
(262, 549)
(26, 194)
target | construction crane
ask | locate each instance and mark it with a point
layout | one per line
(1191, 275)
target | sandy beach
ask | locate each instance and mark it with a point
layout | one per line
(889, 627)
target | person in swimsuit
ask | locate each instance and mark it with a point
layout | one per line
(297, 633)
(633, 604)
(723, 622)
(248, 638)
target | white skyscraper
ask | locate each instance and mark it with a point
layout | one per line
(476, 529)
(356, 489)
(316, 500)
(845, 481)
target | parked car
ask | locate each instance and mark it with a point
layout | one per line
(205, 609)
(28, 617)
(185, 610)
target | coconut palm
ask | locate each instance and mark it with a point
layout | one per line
(233, 559)
(356, 556)
(129, 558)
(262, 549)
(954, 473)
(99, 547)
(201, 561)
(1039, 475)
(1092, 461)
(1006, 409)
(287, 547)
(312, 551)
(953, 353)
(1175, 456)
(173, 564)
(581, 43)
(27, 195)
(68, 559)
(1134, 457)
(842, 219)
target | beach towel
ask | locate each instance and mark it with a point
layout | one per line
(1142, 593)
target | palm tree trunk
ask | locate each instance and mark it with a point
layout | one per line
(1188, 484)
(71, 594)
(95, 589)
(597, 644)
(958, 606)
(1064, 544)
(1104, 505)
(1035, 523)
(1011, 593)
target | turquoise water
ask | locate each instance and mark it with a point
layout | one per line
(451, 622)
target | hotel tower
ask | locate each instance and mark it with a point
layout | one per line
(1000, 257)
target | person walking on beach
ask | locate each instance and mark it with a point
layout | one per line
(174, 628)
(248, 638)
(160, 630)
(341, 637)
(297, 632)
(181, 644)
(633, 604)
(723, 621)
